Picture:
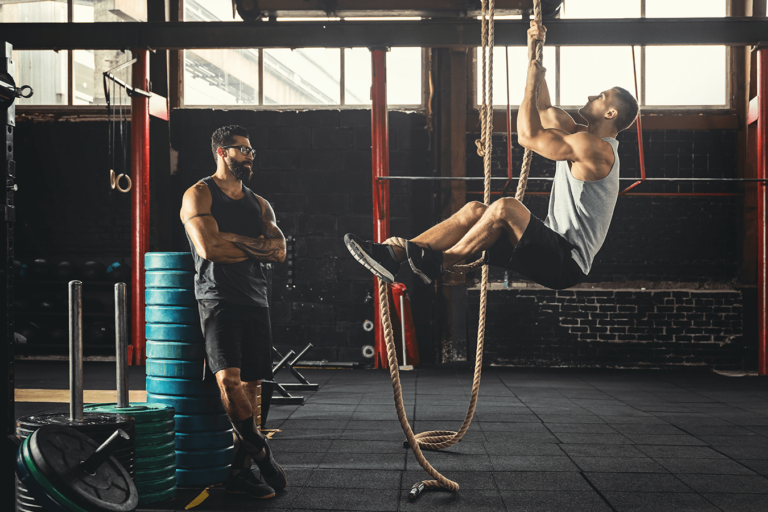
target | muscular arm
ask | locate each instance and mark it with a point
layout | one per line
(270, 246)
(203, 229)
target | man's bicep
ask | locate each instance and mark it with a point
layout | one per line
(556, 145)
(269, 221)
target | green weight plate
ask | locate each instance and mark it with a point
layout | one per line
(157, 497)
(174, 368)
(155, 450)
(169, 297)
(186, 405)
(155, 427)
(202, 476)
(153, 439)
(204, 440)
(204, 458)
(141, 412)
(160, 461)
(151, 486)
(169, 279)
(172, 315)
(187, 423)
(173, 332)
(155, 473)
(183, 351)
(169, 261)
(182, 387)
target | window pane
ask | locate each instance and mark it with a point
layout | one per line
(46, 72)
(13, 11)
(685, 8)
(518, 64)
(600, 9)
(89, 67)
(685, 75)
(112, 11)
(584, 71)
(404, 76)
(209, 10)
(357, 76)
(221, 77)
(305, 76)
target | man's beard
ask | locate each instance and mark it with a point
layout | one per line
(240, 171)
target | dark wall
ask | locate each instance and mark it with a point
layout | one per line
(315, 169)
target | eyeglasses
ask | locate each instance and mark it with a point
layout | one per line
(246, 150)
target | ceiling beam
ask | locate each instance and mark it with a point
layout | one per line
(425, 33)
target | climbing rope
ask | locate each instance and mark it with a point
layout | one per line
(439, 439)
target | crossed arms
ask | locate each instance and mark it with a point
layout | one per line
(218, 247)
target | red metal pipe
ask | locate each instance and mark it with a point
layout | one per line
(762, 207)
(140, 203)
(380, 157)
(646, 194)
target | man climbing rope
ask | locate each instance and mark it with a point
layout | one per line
(558, 252)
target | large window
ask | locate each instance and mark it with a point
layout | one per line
(680, 76)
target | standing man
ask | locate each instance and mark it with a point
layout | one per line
(557, 252)
(232, 232)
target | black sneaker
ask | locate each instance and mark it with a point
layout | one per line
(378, 258)
(245, 482)
(425, 262)
(272, 472)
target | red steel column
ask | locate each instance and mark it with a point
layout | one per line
(762, 207)
(380, 156)
(140, 203)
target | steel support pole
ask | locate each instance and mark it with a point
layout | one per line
(140, 203)
(762, 207)
(380, 157)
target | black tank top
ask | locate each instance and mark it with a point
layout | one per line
(240, 283)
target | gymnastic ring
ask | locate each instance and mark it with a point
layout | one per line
(368, 351)
(121, 189)
(368, 326)
(21, 94)
(112, 179)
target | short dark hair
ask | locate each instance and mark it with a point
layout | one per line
(627, 108)
(225, 136)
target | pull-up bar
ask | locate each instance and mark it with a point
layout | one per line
(345, 34)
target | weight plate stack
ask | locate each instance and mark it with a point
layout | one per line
(95, 425)
(155, 448)
(175, 374)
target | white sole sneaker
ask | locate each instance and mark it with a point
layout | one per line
(365, 260)
(415, 270)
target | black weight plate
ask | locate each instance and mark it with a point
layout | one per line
(187, 423)
(204, 440)
(34, 487)
(153, 439)
(141, 412)
(92, 422)
(202, 476)
(181, 387)
(186, 405)
(58, 451)
(150, 486)
(155, 427)
(155, 473)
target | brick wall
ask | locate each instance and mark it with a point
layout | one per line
(612, 328)
(315, 169)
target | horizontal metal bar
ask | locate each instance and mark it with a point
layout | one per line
(545, 178)
(646, 194)
(344, 34)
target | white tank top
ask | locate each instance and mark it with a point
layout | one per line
(581, 211)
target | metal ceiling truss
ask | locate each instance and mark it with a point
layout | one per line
(345, 34)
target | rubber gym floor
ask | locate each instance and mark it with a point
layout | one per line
(541, 440)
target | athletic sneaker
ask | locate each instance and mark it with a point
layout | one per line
(245, 482)
(272, 472)
(378, 258)
(425, 262)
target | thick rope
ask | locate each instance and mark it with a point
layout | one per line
(439, 439)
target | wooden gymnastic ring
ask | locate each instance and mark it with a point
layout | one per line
(121, 189)
(112, 179)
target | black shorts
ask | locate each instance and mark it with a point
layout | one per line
(541, 255)
(237, 337)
